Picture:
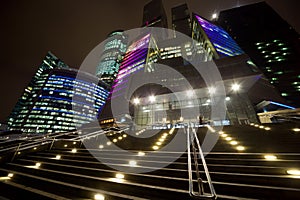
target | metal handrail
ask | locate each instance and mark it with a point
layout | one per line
(191, 144)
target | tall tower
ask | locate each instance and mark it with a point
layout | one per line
(271, 43)
(181, 20)
(58, 99)
(154, 14)
(111, 57)
(215, 40)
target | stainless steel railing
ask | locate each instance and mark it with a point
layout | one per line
(194, 148)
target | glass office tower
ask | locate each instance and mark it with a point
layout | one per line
(271, 43)
(214, 39)
(111, 57)
(58, 99)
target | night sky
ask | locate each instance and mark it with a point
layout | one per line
(72, 28)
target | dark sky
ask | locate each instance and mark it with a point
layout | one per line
(72, 28)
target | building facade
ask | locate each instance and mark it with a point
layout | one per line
(271, 43)
(58, 99)
(110, 60)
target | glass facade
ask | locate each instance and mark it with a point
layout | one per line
(111, 57)
(57, 100)
(133, 61)
(214, 38)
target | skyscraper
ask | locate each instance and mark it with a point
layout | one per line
(58, 99)
(181, 20)
(214, 39)
(271, 43)
(111, 57)
(155, 15)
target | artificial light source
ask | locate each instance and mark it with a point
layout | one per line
(214, 16)
(155, 147)
(74, 150)
(136, 101)
(295, 172)
(211, 90)
(57, 157)
(140, 153)
(10, 175)
(267, 128)
(38, 164)
(101, 146)
(228, 138)
(233, 142)
(158, 143)
(132, 163)
(108, 143)
(296, 129)
(235, 87)
(115, 140)
(240, 148)
(119, 176)
(270, 157)
(227, 98)
(151, 98)
(99, 197)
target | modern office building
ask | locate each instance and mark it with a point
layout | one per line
(154, 15)
(214, 39)
(271, 43)
(110, 60)
(181, 20)
(58, 99)
(212, 46)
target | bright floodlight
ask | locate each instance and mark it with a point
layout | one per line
(211, 90)
(235, 87)
(152, 98)
(214, 16)
(136, 101)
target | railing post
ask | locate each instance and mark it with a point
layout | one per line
(16, 152)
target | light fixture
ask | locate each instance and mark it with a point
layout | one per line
(101, 146)
(115, 140)
(34, 148)
(270, 157)
(161, 139)
(240, 148)
(294, 172)
(233, 142)
(74, 151)
(10, 175)
(140, 153)
(38, 164)
(132, 163)
(221, 132)
(136, 101)
(211, 90)
(227, 98)
(267, 128)
(108, 143)
(65, 145)
(120, 137)
(158, 143)
(296, 129)
(74, 142)
(155, 147)
(99, 197)
(152, 98)
(224, 135)
(235, 87)
(214, 16)
(124, 135)
(120, 176)
(228, 138)
(57, 157)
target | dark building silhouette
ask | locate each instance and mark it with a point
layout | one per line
(155, 15)
(181, 20)
(271, 43)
